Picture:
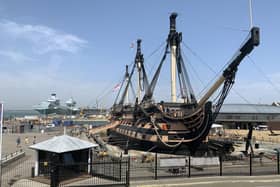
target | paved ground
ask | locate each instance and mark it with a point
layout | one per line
(232, 181)
(10, 145)
(22, 167)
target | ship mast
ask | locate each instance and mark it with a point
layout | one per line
(139, 63)
(177, 67)
(127, 82)
(173, 48)
(143, 82)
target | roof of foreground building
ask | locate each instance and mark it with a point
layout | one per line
(62, 144)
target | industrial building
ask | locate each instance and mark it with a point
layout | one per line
(239, 116)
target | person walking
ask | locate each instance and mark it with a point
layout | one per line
(34, 140)
(26, 140)
(18, 141)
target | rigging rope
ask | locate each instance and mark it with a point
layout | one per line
(227, 85)
(116, 100)
(198, 57)
(193, 69)
(132, 89)
(159, 137)
(149, 93)
(191, 92)
(127, 85)
(108, 89)
(265, 76)
(209, 67)
(216, 73)
(226, 88)
(152, 53)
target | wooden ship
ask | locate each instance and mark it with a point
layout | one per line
(170, 127)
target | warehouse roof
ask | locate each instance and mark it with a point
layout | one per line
(250, 109)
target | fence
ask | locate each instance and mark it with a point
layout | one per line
(112, 171)
(106, 171)
(9, 158)
(21, 173)
(154, 166)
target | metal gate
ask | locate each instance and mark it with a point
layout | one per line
(21, 174)
(102, 172)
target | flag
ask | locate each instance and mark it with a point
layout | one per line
(117, 87)
(132, 45)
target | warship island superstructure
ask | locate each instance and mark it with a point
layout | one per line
(53, 106)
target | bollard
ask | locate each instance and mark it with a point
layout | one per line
(278, 169)
(52, 177)
(127, 179)
(54, 173)
(221, 165)
(250, 164)
(128, 173)
(189, 175)
(156, 174)
(120, 172)
(33, 172)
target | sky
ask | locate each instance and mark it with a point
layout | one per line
(79, 49)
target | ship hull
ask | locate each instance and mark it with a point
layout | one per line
(164, 134)
(59, 111)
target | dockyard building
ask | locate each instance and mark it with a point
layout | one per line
(239, 116)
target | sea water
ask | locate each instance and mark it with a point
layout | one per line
(8, 114)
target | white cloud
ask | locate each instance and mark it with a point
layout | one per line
(25, 86)
(30, 88)
(24, 89)
(45, 39)
(16, 56)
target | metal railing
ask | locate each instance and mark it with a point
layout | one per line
(186, 166)
(120, 171)
(11, 155)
